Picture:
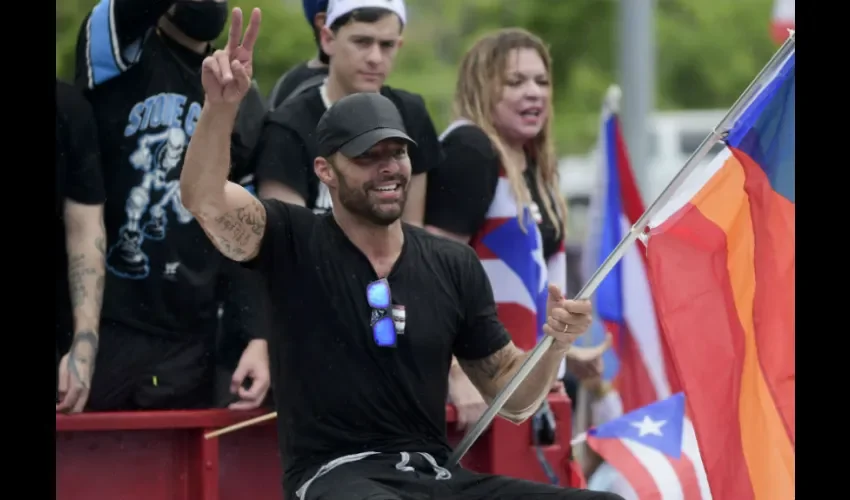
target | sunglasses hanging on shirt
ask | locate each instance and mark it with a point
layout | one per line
(380, 300)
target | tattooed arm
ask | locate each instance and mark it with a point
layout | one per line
(234, 220)
(86, 247)
(485, 350)
(492, 373)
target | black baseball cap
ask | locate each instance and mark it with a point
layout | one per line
(355, 123)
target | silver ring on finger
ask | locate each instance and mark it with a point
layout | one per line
(566, 327)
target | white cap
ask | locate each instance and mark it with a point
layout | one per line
(339, 8)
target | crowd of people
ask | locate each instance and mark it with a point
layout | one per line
(220, 248)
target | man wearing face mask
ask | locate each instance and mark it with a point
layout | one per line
(139, 62)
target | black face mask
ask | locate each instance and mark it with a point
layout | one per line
(201, 21)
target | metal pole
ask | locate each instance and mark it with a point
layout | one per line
(534, 356)
(636, 63)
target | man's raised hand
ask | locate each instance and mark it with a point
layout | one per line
(226, 75)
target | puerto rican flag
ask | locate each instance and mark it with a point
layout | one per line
(643, 373)
(641, 370)
(512, 255)
(655, 449)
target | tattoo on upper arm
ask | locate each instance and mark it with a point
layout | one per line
(238, 233)
(491, 367)
(82, 356)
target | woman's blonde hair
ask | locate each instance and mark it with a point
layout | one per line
(479, 88)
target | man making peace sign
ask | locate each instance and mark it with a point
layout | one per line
(363, 298)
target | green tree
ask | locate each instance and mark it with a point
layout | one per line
(712, 69)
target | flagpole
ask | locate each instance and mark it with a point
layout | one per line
(616, 255)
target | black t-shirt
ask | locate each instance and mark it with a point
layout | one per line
(78, 179)
(342, 393)
(162, 270)
(462, 188)
(290, 80)
(287, 145)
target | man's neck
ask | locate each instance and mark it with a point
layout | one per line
(178, 36)
(378, 243)
(335, 91)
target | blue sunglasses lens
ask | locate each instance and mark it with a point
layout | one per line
(384, 332)
(378, 294)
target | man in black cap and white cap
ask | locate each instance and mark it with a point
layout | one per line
(362, 39)
(361, 412)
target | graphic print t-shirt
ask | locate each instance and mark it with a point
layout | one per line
(162, 270)
(287, 145)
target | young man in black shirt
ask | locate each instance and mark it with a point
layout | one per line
(309, 73)
(140, 62)
(371, 310)
(80, 244)
(362, 38)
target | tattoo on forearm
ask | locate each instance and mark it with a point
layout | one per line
(78, 270)
(100, 244)
(82, 357)
(98, 293)
(235, 232)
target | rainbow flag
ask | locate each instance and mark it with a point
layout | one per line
(722, 266)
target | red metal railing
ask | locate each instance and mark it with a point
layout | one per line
(164, 456)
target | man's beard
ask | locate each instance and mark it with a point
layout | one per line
(356, 200)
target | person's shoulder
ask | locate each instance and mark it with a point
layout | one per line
(465, 142)
(467, 133)
(296, 71)
(410, 101)
(448, 250)
(70, 101)
(278, 206)
(304, 108)
(304, 71)
(147, 55)
(295, 216)
(291, 79)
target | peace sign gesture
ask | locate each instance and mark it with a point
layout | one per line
(226, 75)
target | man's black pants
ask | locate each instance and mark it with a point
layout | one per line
(138, 371)
(412, 477)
